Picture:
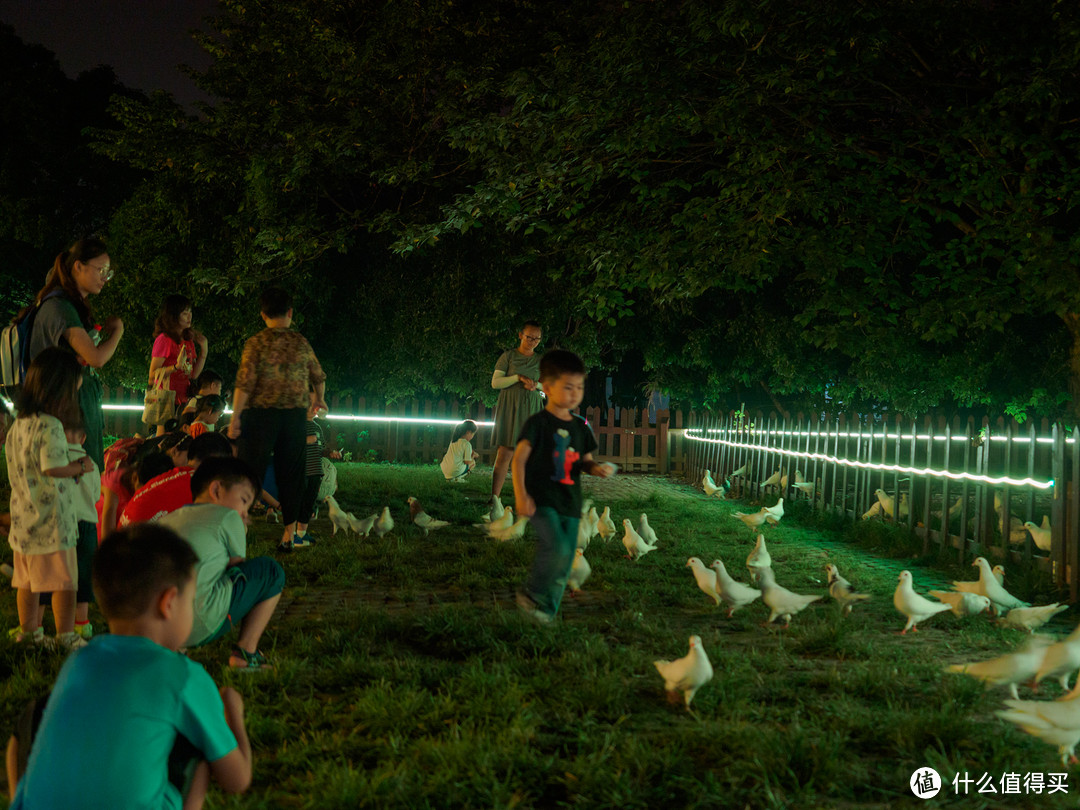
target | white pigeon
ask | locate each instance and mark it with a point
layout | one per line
(511, 532)
(989, 587)
(999, 574)
(1039, 535)
(758, 558)
(636, 547)
(1011, 669)
(686, 674)
(886, 502)
(875, 509)
(772, 480)
(1032, 618)
(496, 510)
(962, 604)
(840, 590)
(1053, 721)
(781, 601)
(1061, 659)
(646, 531)
(806, 488)
(585, 532)
(738, 472)
(579, 572)
(606, 526)
(732, 591)
(915, 607)
(385, 522)
(362, 526)
(705, 577)
(425, 522)
(504, 521)
(776, 511)
(338, 518)
(753, 520)
(710, 486)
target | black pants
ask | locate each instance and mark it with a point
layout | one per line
(311, 492)
(279, 431)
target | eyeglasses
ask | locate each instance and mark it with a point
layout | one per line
(105, 270)
(532, 338)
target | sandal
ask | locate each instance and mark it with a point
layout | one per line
(243, 660)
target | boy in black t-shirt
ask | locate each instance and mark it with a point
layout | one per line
(553, 449)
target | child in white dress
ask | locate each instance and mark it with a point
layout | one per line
(460, 457)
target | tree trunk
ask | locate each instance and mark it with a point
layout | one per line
(1072, 320)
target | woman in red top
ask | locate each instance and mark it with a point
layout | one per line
(174, 357)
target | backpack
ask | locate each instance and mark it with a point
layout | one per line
(15, 346)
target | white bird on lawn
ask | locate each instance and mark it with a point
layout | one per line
(586, 530)
(425, 522)
(511, 532)
(915, 607)
(886, 501)
(1061, 659)
(646, 531)
(636, 547)
(362, 526)
(805, 488)
(840, 590)
(1011, 669)
(496, 510)
(1032, 618)
(338, 517)
(758, 558)
(705, 577)
(1039, 535)
(988, 586)
(781, 601)
(1053, 721)
(606, 526)
(772, 480)
(738, 472)
(686, 674)
(753, 520)
(385, 523)
(504, 521)
(999, 574)
(579, 572)
(776, 511)
(732, 591)
(962, 604)
(710, 487)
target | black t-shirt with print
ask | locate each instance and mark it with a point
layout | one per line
(553, 471)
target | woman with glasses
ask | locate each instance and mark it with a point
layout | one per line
(517, 379)
(64, 320)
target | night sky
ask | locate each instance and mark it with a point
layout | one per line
(144, 40)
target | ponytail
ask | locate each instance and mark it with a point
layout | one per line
(468, 426)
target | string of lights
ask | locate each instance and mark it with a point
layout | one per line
(877, 436)
(867, 465)
(345, 417)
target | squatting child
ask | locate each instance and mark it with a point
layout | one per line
(230, 590)
(460, 458)
(555, 446)
(130, 721)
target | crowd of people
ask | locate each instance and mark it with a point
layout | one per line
(155, 528)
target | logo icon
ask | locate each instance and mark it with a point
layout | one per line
(925, 783)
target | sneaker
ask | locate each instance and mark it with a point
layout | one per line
(311, 538)
(528, 606)
(70, 641)
(301, 542)
(285, 548)
(244, 661)
(85, 630)
(19, 637)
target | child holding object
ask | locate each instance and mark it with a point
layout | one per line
(130, 722)
(555, 446)
(44, 521)
(460, 458)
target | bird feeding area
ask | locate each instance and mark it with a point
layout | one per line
(958, 484)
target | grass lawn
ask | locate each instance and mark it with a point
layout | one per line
(422, 686)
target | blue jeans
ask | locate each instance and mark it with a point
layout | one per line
(556, 542)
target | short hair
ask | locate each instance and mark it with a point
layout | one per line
(134, 565)
(531, 323)
(174, 440)
(274, 302)
(208, 403)
(558, 362)
(225, 469)
(152, 465)
(210, 445)
(208, 377)
(51, 386)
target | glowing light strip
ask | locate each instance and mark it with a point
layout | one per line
(866, 465)
(877, 436)
(419, 420)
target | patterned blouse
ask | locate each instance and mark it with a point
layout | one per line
(43, 508)
(277, 368)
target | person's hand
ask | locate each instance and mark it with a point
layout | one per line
(602, 470)
(526, 506)
(336, 455)
(5, 523)
(317, 406)
(233, 430)
(200, 339)
(114, 325)
(528, 382)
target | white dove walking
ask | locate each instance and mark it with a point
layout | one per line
(1061, 659)
(776, 511)
(705, 578)
(753, 520)
(362, 526)
(425, 522)
(710, 486)
(758, 558)
(646, 531)
(1053, 721)
(1009, 670)
(606, 526)
(496, 510)
(686, 674)
(772, 480)
(990, 588)
(579, 572)
(915, 607)
(338, 518)
(962, 604)
(385, 522)
(636, 547)
(511, 532)
(781, 601)
(733, 592)
(840, 590)
(1032, 618)
(586, 530)
(504, 521)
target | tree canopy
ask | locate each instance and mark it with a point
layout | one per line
(807, 204)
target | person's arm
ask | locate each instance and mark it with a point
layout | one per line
(82, 344)
(500, 379)
(110, 505)
(81, 465)
(233, 771)
(11, 763)
(239, 402)
(522, 499)
(592, 467)
(200, 363)
(318, 401)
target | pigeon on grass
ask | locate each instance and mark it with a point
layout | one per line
(840, 590)
(705, 578)
(1011, 669)
(782, 602)
(425, 522)
(917, 608)
(686, 674)
(734, 593)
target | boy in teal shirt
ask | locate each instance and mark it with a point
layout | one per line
(131, 722)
